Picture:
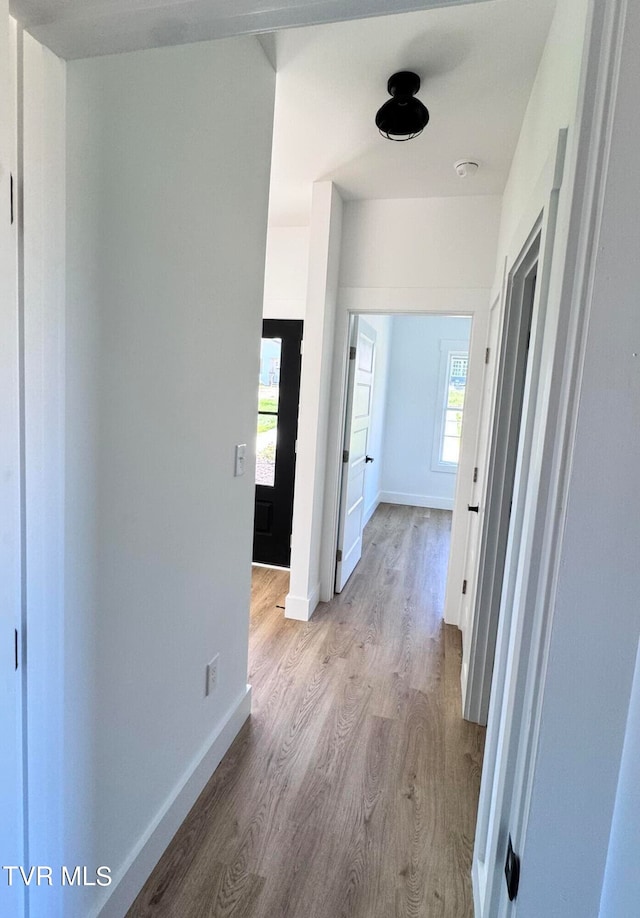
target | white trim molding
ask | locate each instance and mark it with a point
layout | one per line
(371, 509)
(301, 608)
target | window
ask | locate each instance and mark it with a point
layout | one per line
(453, 380)
(268, 402)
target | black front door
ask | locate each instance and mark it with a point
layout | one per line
(278, 398)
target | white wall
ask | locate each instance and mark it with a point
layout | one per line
(286, 272)
(414, 407)
(551, 106)
(313, 417)
(166, 223)
(378, 420)
(436, 243)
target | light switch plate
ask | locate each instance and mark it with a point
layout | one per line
(241, 454)
(212, 675)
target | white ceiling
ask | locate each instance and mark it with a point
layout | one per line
(85, 28)
(477, 65)
(477, 60)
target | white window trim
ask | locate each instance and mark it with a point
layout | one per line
(448, 349)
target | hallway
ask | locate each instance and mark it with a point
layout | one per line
(352, 790)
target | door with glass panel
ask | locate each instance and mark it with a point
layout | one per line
(278, 397)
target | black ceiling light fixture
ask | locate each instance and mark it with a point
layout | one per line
(403, 117)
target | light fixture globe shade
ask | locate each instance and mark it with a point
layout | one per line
(403, 117)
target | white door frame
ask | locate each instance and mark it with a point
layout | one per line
(540, 497)
(12, 743)
(486, 579)
(507, 685)
(383, 304)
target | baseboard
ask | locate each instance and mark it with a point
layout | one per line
(130, 879)
(301, 608)
(371, 509)
(269, 567)
(416, 500)
(478, 885)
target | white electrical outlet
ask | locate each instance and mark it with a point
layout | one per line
(212, 674)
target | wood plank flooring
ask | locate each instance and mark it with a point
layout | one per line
(352, 790)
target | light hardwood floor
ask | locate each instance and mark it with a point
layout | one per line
(352, 790)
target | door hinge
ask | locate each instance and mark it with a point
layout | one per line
(295, 447)
(339, 554)
(487, 354)
(15, 646)
(352, 353)
(345, 455)
(11, 207)
(464, 587)
(301, 347)
(475, 474)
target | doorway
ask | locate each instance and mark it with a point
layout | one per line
(278, 398)
(496, 457)
(402, 422)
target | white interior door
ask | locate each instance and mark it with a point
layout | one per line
(11, 847)
(362, 361)
(480, 474)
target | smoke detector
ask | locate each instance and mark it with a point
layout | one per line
(466, 167)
